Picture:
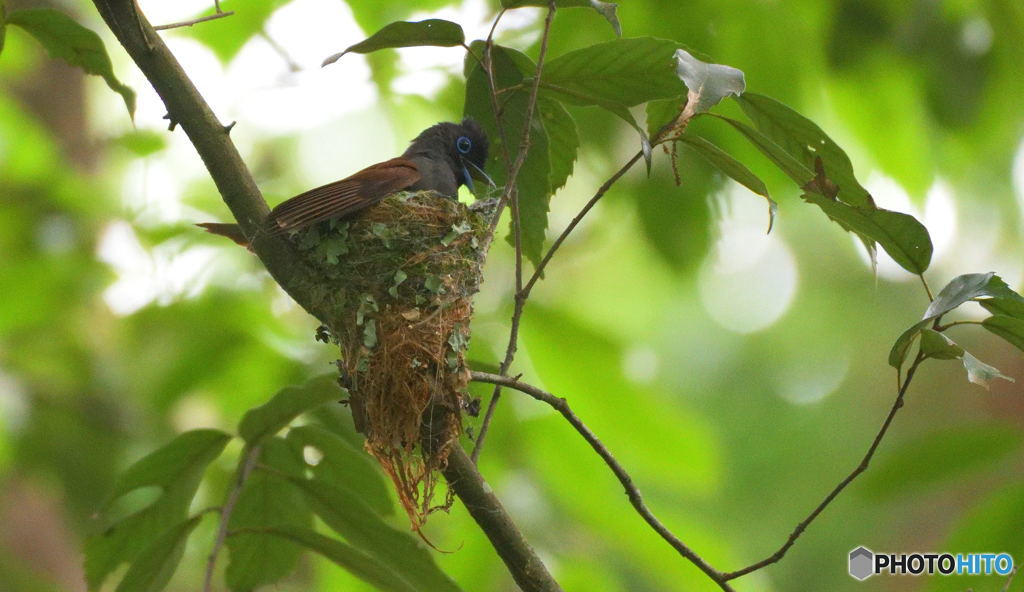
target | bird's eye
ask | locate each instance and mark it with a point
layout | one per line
(463, 145)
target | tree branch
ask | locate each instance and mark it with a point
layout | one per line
(195, 21)
(185, 106)
(248, 463)
(562, 406)
(802, 526)
(522, 561)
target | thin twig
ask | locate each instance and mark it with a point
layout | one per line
(927, 288)
(293, 66)
(941, 328)
(195, 21)
(861, 467)
(562, 406)
(244, 470)
(511, 195)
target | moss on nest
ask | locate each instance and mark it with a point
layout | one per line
(396, 295)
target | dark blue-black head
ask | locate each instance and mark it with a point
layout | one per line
(464, 145)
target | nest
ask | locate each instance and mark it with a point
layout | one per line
(396, 296)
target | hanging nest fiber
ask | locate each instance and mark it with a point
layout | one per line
(395, 293)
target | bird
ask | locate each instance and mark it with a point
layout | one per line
(441, 158)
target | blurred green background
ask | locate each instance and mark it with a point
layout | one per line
(738, 376)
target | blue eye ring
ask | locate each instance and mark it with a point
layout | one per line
(463, 145)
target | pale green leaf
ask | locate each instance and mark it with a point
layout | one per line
(430, 32)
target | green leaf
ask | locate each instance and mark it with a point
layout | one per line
(177, 469)
(937, 346)
(661, 113)
(1002, 300)
(353, 519)
(344, 465)
(959, 290)
(782, 159)
(267, 499)
(734, 169)
(605, 9)
(706, 84)
(431, 32)
(185, 455)
(65, 39)
(226, 36)
(804, 140)
(152, 569)
(534, 180)
(898, 353)
(938, 457)
(290, 402)
(563, 140)
(901, 235)
(981, 373)
(1009, 328)
(349, 558)
(624, 71)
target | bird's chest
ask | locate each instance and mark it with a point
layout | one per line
(435, 175)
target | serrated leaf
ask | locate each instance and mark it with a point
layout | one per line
(805, 141)
(349, 558)
(267, 499)
(734, 169)
(344, 465)
(563, 140)
(981, 373)
(534, 180)
(937, 346)
(429, 32)
(353, 519)
(605, 9)
(626, 72)
(706, 84)
(155, 565)
(938, 457)
(177, 469)
(226, 36)
(67, 40)
(290, 402)
(1009, 328)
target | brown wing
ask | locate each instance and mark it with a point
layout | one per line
(345, 197)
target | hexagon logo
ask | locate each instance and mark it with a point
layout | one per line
(862, 563)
